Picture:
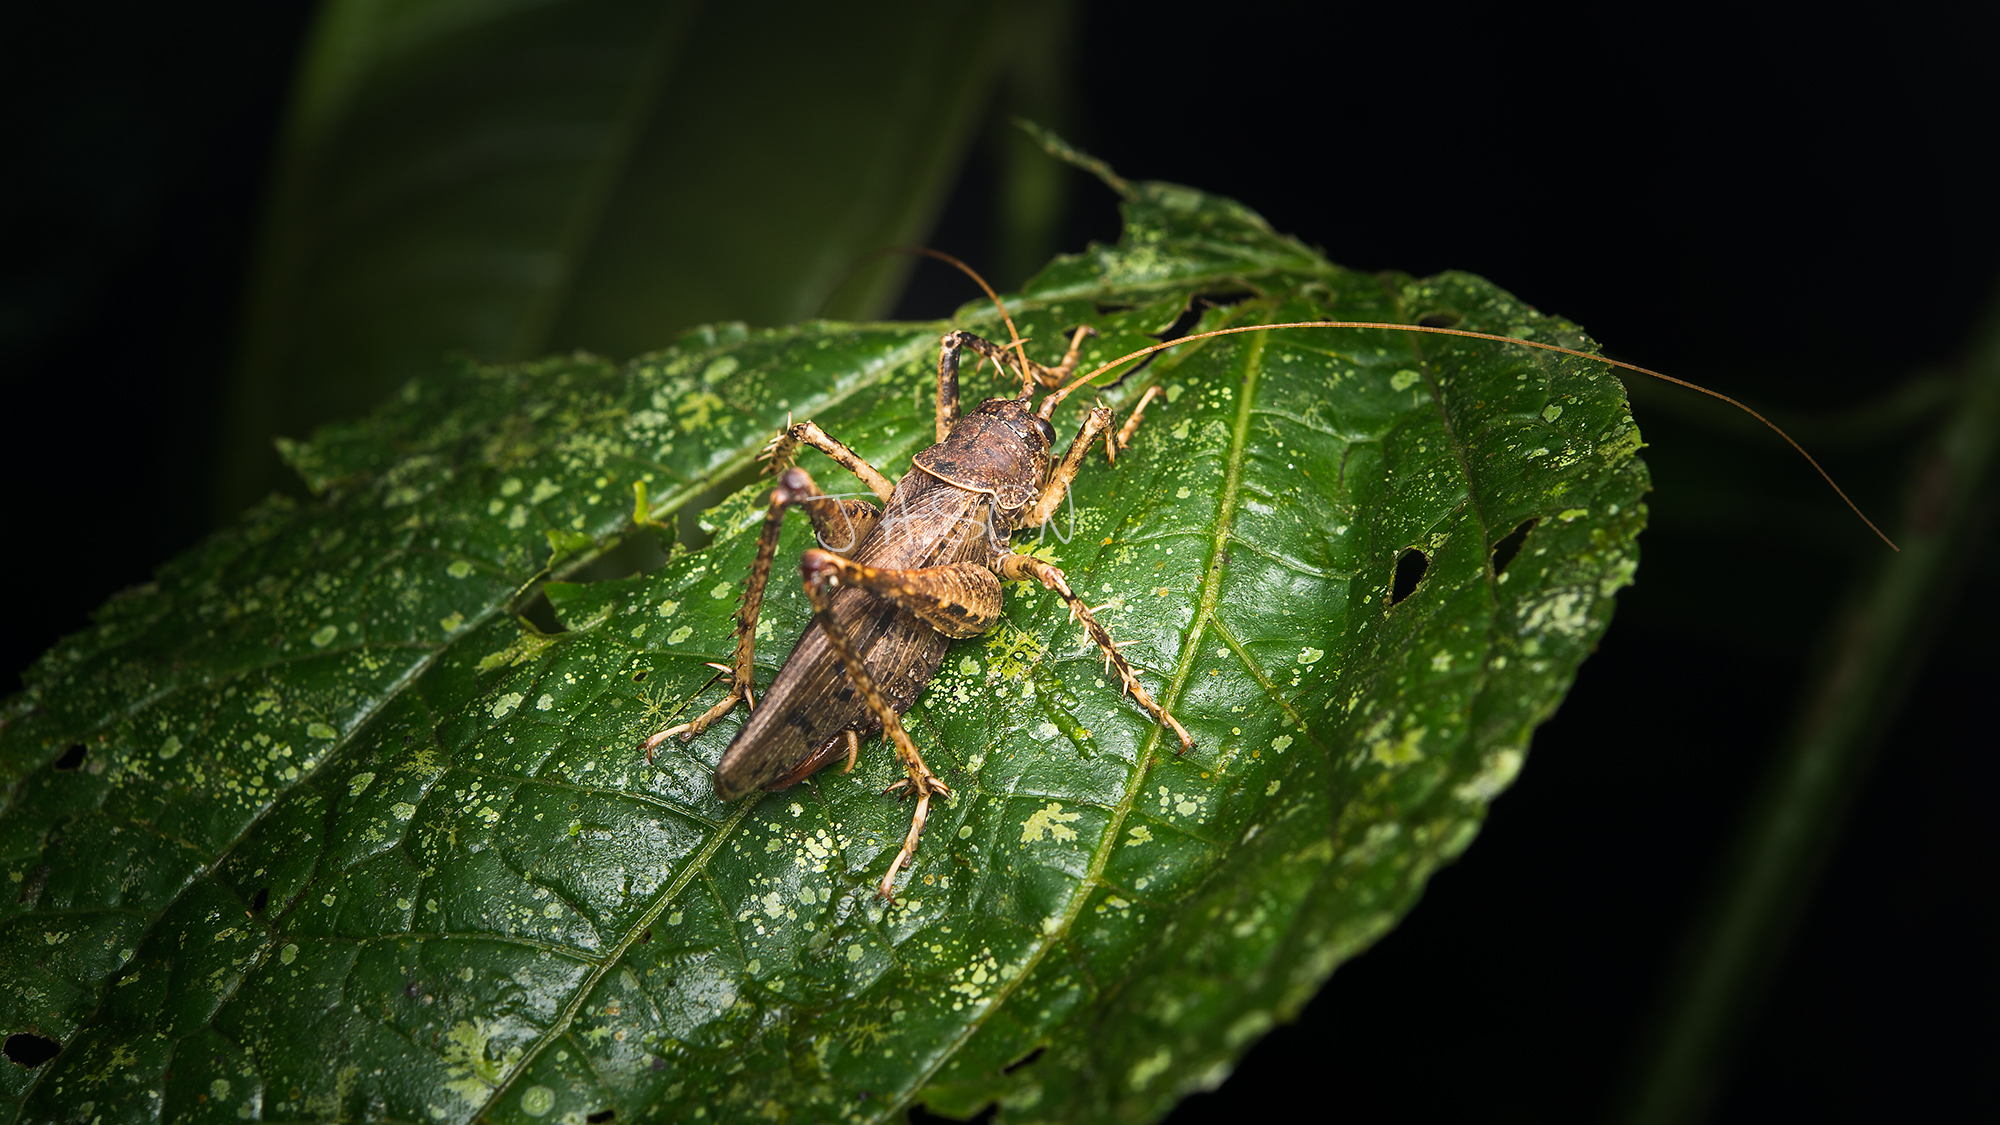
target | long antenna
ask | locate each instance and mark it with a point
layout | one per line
(1049, 403)
(1013, 336)
(1015, 343)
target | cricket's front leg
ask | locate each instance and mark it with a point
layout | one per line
(1115, 445)
(1014, 568)
(1060, 373)
(795, 486)
(1097, 422)
(839, 522)
(950, 349)
(821, 571)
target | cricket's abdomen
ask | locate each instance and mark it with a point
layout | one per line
(926, 523)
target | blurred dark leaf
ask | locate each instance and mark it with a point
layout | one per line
(506, 179)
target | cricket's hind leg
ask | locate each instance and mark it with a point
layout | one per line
(951, 599)
(795, 487)
(958, 599)
(1015, 568)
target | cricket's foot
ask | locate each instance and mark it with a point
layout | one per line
(690, 730)
(926, 785)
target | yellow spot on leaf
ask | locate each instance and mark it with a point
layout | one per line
(1400, 752)
(1051, 822)
(474, 1073)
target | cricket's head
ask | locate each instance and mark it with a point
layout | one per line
(1018, 415)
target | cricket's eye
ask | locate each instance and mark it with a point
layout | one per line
(1048, 431)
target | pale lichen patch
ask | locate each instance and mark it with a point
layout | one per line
(472, 1071)
(1496, 773)
(1050, 822)
(1152, 1066)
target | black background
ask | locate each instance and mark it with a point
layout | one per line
(1797, 211)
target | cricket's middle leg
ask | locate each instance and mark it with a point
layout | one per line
(1017, 567)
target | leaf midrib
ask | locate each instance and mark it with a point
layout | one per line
(1101, 856)
(697, 864)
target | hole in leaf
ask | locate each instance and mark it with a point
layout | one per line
(27, 1049)
(600, 1117)
(1505, 550)
(1198, 306)
(689, 535)
(646, 937)
(1024, 1060)
(1440, 320)
(640, 552)
(638, 677)
(1410, 570)
(31, 887)
(1183, 324)
(72, 757)
(260, 900)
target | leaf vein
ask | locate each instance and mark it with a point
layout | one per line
(559, 1027)
(1253, 352)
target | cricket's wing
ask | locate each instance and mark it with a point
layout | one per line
(812, 700)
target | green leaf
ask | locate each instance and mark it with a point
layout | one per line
(507, 179)
(314, 827)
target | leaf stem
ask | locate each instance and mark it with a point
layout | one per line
(1735, 947)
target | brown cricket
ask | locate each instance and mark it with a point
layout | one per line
(891, 587)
